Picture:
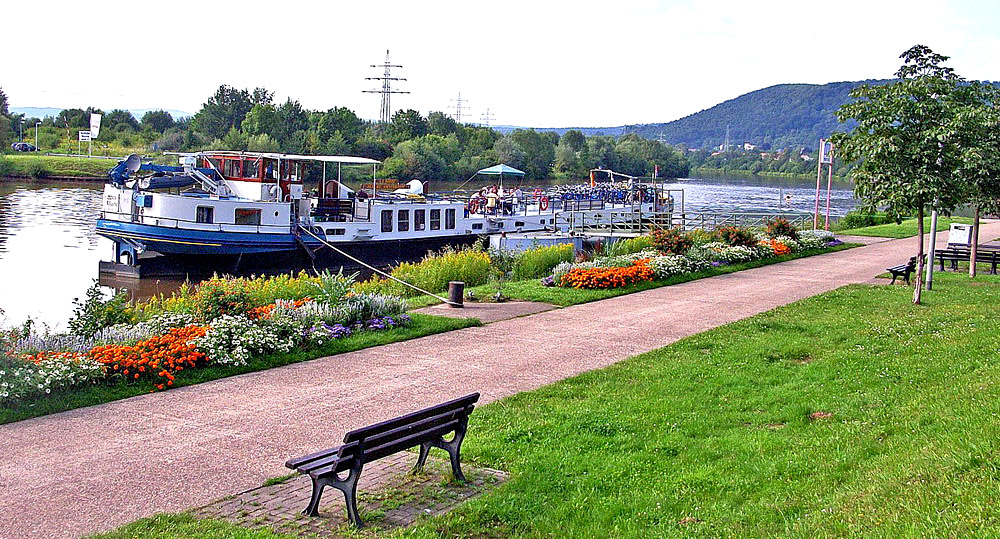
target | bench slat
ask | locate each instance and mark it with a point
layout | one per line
(388, 425)
(406, 430)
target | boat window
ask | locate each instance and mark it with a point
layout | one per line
(477, 226)
(518, 223)
(232, 168)
(336, 231)
(386, 220)
(419, 219)
(204, 214)
(270, 169)
(404, 220)
(251, 169)
(247, 216)
(435, 219)
(213, 162)
(449, 219)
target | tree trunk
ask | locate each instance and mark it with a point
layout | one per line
(975, 244)
(920, 255)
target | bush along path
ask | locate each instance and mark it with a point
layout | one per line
(257, 421)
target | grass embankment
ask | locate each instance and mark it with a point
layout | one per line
(34, 165)
(906, 229)
(533, 290)
(848, 413)
(422, 325)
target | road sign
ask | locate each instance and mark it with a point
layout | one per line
(84, 136)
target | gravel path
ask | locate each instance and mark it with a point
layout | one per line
(95, 468)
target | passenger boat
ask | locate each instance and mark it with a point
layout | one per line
(250, 211)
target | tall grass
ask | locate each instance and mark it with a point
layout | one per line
(470, 265)
(539, 261)
(628, 246)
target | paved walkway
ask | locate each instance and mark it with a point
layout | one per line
(95, 468)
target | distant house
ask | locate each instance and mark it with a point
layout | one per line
(806, 157)
(747, 147)
(765, 155)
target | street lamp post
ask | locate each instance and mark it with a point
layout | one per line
(20, 129)
(36, 135)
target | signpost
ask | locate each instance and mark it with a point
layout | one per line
(84, 137)
(825, 158)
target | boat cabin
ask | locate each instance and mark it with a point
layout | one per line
(265, 177)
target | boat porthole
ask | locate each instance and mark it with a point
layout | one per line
(275, 214)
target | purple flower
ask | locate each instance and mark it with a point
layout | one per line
(549, 281)
(717, 263)
(833, 243)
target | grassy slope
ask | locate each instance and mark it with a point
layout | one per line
(60, 166)
(713, 436)
(906, 229)
(88, 396)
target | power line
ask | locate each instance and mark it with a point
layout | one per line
(458, 107)
(487, 117)
(386, 89)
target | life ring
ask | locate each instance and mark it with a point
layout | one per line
(543, 203)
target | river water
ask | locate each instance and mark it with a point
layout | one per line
(49, 252)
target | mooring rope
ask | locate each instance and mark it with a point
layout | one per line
(376, 270)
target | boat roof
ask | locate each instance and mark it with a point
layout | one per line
(345, 159)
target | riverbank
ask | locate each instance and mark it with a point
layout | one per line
(259, 432)
(52, 167)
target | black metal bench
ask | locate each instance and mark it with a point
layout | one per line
(426, 428)
(903, 270)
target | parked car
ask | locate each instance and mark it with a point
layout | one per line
(23, 147)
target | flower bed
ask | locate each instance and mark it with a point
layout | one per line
(227, 328)
(729, 245)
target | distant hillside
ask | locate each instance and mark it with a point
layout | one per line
(41, 112)
(786, 115)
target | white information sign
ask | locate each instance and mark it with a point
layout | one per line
(960, 234)
(84, 136)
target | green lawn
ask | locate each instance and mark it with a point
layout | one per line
(726, 433)
(906, 229)
(40, 166)
(532, 289)
(421, 326)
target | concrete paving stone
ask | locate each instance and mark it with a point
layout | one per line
(159, 452)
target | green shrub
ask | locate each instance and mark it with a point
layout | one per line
(216, 297)
(539, 261)
(858, 219)
(671, 241)
(470, 265)
(96, 313)
(6, 167)
(736, 236)
(779, 226)
(35, 169)
(701, 236)
(628, 246)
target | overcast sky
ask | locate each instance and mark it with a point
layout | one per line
(532, 63)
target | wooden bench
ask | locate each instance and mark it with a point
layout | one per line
(426, 428)
(956, 255)
(903, 270)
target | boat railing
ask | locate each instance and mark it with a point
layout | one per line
(627, 221)
(185, 224)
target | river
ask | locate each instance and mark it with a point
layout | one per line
(49, 252)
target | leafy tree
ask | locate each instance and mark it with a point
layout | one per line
(261, 120)
(509, 152)
(157, 121)
(574, 139)
(5, 129)
(906, 142)
(119, 119)
(978, 123)
(292, 122)
(539, 152)
(73, 118)
(408, 124)
(225, 110)
(441, 124)
(339, 119)
(234, 140)
(262, 143)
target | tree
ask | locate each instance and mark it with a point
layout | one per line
(261, 120)
(906, 142)
(408, 124)
(226, 109)
(978, 123)
(157, 121)
(5, 129)
(118, 120)
(574, 139)
(441, 124)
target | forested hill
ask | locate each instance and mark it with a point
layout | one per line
(786, 115)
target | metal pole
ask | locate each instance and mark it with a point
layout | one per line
(930, 253)
(36, 135)
(819, 175)
(829, 186)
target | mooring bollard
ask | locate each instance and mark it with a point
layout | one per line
(456, 292)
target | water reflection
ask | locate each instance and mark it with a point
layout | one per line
(49, 252)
